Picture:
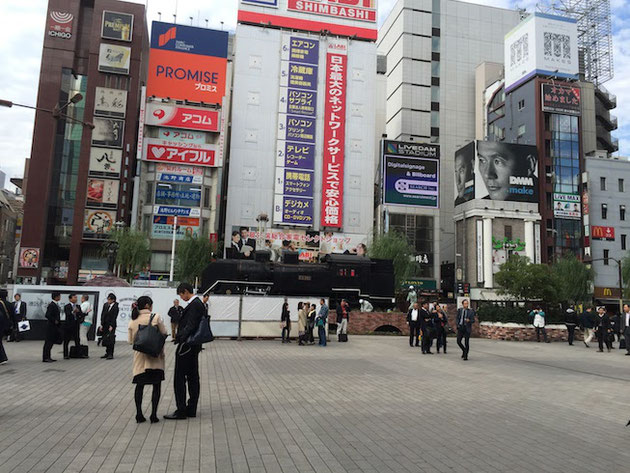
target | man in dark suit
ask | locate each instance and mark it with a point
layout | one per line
(413, 319)
(53, 316)
(186, 355)
(108, 325)
(19, 314)
(465, 320)
(625, 327)
(71, 324)
(427, 326)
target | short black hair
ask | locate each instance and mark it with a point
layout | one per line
(71, 295)
(17, 294)
(3, 293)
(54, 295)
(111, 296)
(234, 233)
(185, 287)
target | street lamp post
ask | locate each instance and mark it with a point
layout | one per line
(55, 112)
(619, 268)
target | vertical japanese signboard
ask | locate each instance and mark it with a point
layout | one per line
(334, 134)
(293, 201)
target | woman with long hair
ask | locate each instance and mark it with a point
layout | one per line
(285, 320)
(146, 369)
(301, 323)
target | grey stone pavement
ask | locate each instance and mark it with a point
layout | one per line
(371, 405)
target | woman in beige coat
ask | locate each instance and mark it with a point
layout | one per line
(146, 369)
(301, 323)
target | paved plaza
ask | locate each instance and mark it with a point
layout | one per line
(371, 405)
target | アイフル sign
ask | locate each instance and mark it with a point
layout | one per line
(179, 152)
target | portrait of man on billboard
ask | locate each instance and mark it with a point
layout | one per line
(465, 174)
(508, 172)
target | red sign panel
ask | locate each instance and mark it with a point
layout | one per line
(602, 233)
(182, 117)
(181, 153)
(334, 135)
(362, 10)
(60, 25)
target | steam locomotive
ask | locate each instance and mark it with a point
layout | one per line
(338, 277)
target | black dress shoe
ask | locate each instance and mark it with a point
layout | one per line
(49, 360)
(154, 419)
(191, 414)
(109, 357)
(175, 416)
(140, 418)
(103, 357)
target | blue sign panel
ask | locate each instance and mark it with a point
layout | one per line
(188, 39)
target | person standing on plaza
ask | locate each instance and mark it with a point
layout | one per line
(413, 319)
(603, 329)
(571, 321)
(320, 322)
(175, 314)
(19, 315)
(285, 322)
(301, 323)
(310, 320)
(465, 320)
(343, 317)
(427, 327)
(587, 322)
(71, 324)
(53, 316)
(412, 296)
(441, 327)
(625, 327)
(87, 314)
(6, 322)
(539, 322)
(615, 327)
(187, 355)
(147, 369)
(109, 319)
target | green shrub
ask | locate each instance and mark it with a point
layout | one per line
(518, 315)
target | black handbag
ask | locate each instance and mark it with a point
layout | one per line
(58, 334)
(203, 334)
(149, 340)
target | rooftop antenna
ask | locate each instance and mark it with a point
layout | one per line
(206, 22)
(191, 18)
(221, 26)
(174, 18)
(159, 16)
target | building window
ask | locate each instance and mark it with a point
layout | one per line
(521, 104)
(148, 197)
(206, 197)
(623, 242)
(508, 232)
(521, 131)
(622, 212)
(606, 256)
(602, 183)
(621, 185)
(604, 211)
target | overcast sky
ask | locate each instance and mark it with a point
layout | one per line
(21, 38)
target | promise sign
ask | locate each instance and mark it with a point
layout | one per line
(334, 134)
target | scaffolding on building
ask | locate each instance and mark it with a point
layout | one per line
(594, 34)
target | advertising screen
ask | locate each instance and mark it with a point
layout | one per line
(29, 258)
(506, 171)
(567, 206)
(102, 193)
(465, 174)
(114, 58)
(561, 99)
(98, 223)
(163, 227)
(118, 26)
(187, 63)
(108, 132)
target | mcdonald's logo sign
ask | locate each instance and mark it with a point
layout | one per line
(602, 233)
(606, 293)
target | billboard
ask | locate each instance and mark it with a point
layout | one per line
(188, 118)
(60, 25)
(567, 206)
(541, 44)
(334, 134)
(602, 233)
(465, 174)
(108, 132)
(118, 26)
(162, 227)
(196, 154)
(187, 63)
(182, 136)
(105, 162)
(102, 193)
(563, 99)
(114, 59)
(98, 224)
(29, 258)
(110, 102)
(350, 18)
(411, 174)
(506, 171)
(179, 174)
(171, 211)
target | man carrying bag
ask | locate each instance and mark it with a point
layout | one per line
(188, 340)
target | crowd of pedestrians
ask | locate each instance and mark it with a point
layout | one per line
(599, 324)
(310, 317)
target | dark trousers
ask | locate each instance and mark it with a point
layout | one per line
(426, 340)
(51, 334)
(603, 337)
(571, 330)
(71, 333)
(538, 332)
(286, 332)
(109, 349)
(187, 373)
(441, 339)
(626, 336)
(321, 333)
(309, 333)
(414, 333)
(463, 333)
(3, 354)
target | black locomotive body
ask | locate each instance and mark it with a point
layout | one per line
(338, 276)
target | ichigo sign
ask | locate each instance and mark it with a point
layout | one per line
(60, 25)
(182, 117)
(334, 134)
(180, 152)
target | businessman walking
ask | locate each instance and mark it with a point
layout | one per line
(465, 320)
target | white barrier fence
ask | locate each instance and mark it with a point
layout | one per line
(232, 316)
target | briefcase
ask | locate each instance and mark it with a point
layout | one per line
(343, 337)
(80, 351)
(622, 344)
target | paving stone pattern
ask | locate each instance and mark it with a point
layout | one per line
(370, 405)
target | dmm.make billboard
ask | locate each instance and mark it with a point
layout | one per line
(187, 63)
(411, 174)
